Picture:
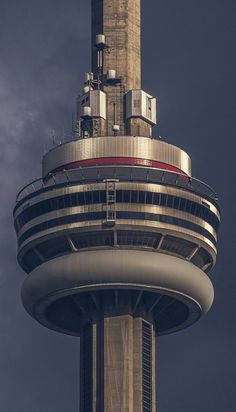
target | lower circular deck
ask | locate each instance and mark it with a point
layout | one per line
(68, 291)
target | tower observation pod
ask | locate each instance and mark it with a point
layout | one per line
(117, 238)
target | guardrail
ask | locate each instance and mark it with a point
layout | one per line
(122, 173)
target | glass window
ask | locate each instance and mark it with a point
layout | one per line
(169, 201)
(54, 247)
(149, 198)
(88, 198)
(134, 196)
(155, 198)
(183, 203)
(88, 239)
(176, 202)
(96, 197)
(119, 197)
(30, 261)
(122, 196)
(126, 196)
(201, 258)
(178, 246)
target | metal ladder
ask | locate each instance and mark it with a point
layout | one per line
(110, 185)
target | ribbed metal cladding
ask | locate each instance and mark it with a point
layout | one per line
(120, 146)
(147, 366)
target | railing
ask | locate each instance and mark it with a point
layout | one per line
(122, 173)
(59, 140)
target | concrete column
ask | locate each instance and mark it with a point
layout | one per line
(118, 364)
(123, 368)
(112, 366)
(120, 22)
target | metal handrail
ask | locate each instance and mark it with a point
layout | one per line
(181, 180)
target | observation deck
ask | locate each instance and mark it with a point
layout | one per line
(130, 209)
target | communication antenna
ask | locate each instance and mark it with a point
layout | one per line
(72, 123)
(53, 137)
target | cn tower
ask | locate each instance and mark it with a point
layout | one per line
(117, 238)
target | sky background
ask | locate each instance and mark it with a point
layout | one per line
(189, 63)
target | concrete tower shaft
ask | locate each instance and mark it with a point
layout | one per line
(118, 377)
(112, 101)
(120, 22)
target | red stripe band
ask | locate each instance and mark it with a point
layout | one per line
(132, 161)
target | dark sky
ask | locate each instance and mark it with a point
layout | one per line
(189, 62)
